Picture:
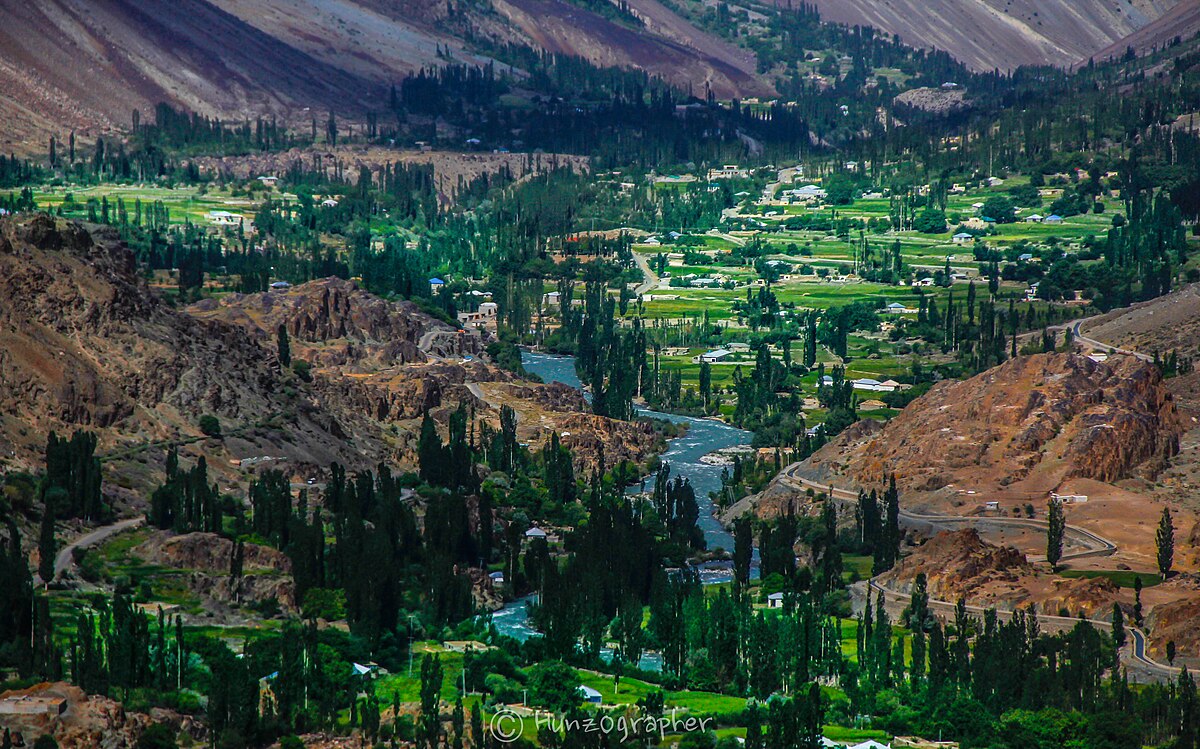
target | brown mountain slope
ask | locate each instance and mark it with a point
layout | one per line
(668, 47)
(87, 64)
(1003, 34)
(1182, 21)
(332, 322)
(85, 344)
(960, 564)
(393, 364)
(1029, 424)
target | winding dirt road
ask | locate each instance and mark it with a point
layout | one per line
(66, 556)
(1134, 653)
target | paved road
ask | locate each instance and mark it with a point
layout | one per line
(66, 557)
(651, 277)
(477, 391)
(1080, 337)
(1094, 544)
(1134, 654)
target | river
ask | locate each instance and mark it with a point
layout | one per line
(703, 436)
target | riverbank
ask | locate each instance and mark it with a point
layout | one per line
(703, 437)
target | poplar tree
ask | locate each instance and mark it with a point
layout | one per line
(1056, 525)
(1165, 541)
(285, 349)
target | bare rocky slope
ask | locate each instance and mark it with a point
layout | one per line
(85, 65)
(1003, 34)
(1033, 422)
(1182, 22)
(393, 364)
(962, 565)
(86, 344)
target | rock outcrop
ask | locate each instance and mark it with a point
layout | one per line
(84, 342)
(333, 322)
(1051, 417)
(206, 559)
(1175, 622)
(960, 564)
(86, 721)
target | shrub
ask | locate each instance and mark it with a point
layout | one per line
(210, 425)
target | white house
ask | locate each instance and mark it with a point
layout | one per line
(728, 171)
(896, 308)
(1053, 218)
(740, 348)
(712, 356)
(269, 181)
(281, 286)
(535, 532)
(775, 601)
(1034, 218)
(224, 218)
(329, 203)
(590, 695)
(365, 669)
(1070, 499)
(963, 238)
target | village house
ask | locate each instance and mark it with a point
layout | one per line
(28, 704)
(589, 695)
(712, 356)
(963, 238)
(728, 171)
(224, 218)
(1069, 499)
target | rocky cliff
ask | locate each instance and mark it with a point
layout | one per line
(962, 565)
(1036, 419)
(333, 322)
(206, 557)
(85, 343)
